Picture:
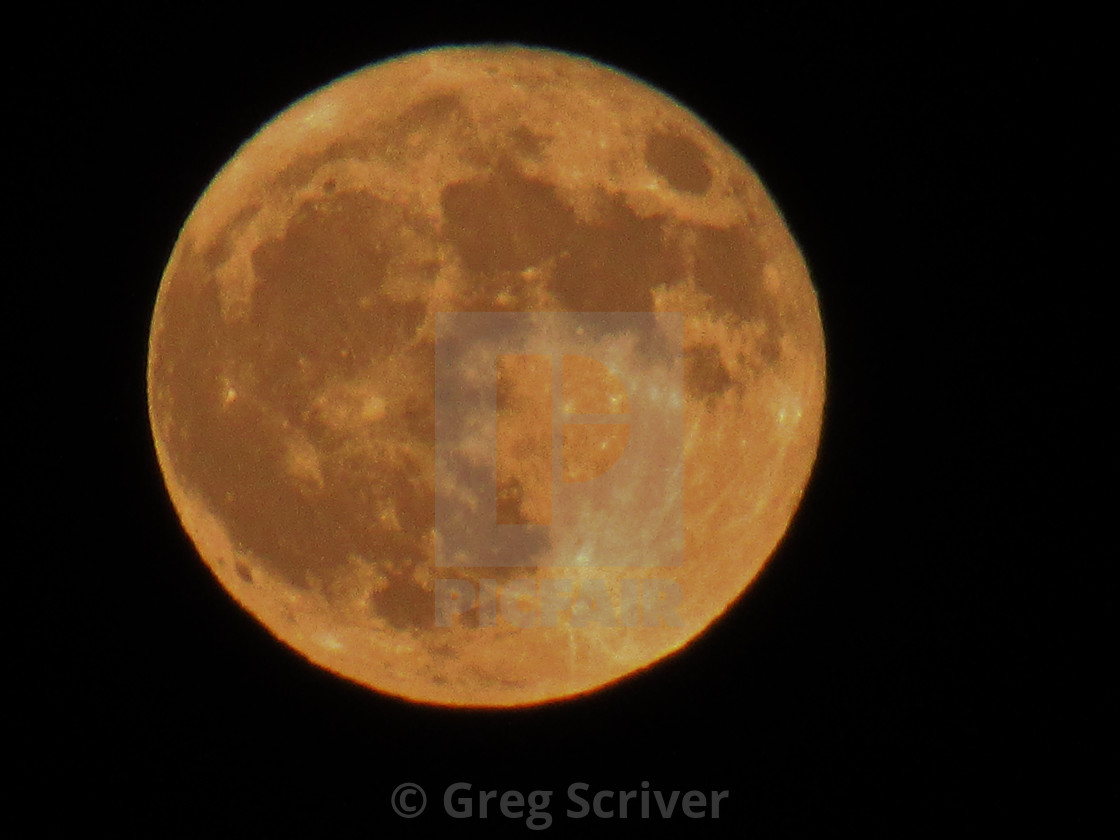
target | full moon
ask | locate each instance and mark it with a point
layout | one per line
(486, 376)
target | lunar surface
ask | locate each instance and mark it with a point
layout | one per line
(435, 500)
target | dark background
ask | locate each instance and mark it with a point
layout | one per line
(919, 655)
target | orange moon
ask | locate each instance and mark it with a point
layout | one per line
(294, 388)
